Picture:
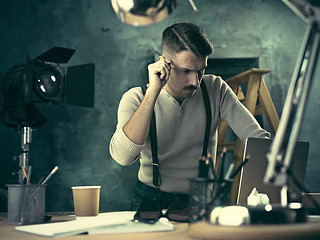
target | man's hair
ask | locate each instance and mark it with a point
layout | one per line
(185, 36)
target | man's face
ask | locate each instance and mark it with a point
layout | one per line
(186, 74)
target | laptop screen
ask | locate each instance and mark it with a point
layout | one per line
(253, 172)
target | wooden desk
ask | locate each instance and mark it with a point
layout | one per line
(299, 231)
(8, 232)
(183, 231)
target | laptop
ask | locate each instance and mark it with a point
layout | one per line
(253, 172)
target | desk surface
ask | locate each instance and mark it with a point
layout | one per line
(8, 231)
(201, 230)
(298, 231)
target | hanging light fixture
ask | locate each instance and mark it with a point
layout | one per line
(144, 12)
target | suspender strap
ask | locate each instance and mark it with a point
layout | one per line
(153, 133)
(154, 146)
(154, 149)
(207, 105)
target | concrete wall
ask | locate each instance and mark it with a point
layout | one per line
(237, 28)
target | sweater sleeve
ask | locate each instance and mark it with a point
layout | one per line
(239, 118)
(122, 149)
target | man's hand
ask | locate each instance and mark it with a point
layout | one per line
(159, 73)
(137, 126)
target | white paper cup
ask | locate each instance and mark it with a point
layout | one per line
(86, 200)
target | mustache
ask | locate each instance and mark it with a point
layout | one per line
(191, 88)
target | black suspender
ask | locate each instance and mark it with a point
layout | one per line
(207, 105)
(153, 133)
(154, 146)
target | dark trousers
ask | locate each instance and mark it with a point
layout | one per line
(164, 199)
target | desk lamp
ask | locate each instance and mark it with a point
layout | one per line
(281, 151)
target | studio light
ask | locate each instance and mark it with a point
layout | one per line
(49, 83)
(39, 89)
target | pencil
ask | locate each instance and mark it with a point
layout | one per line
(220, 171)
(239, 167)
(44, 182)
(50, 175)
(212, 166)
(29, 175)
(24, 173)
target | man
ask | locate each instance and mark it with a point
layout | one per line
(175, 96)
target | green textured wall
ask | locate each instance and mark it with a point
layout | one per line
(238, 28)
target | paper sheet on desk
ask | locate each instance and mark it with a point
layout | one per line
(129, 226)
(134, 227)
(104, 223)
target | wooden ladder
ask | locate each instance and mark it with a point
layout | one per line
(256, 89)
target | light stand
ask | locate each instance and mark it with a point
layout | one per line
(281, 151)
(26, 138)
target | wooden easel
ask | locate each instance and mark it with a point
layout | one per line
(256, 89)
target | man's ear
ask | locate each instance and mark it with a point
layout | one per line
(165, 56)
